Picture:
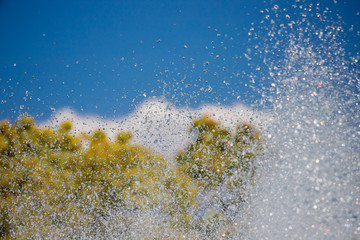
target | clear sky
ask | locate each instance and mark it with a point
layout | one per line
(105, 57)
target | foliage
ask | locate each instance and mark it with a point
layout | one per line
(220, 163)
(217, 156)
(52, 185)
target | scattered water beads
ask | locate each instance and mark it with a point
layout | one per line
(305, 185)
(314, 93)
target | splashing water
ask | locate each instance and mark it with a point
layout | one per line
(310, 186)
(307, 181)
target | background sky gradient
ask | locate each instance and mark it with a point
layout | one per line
(106, 57)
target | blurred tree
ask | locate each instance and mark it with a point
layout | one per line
(222, 165)
(53, 185)
(217, 156)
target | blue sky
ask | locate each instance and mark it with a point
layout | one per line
(105, 57)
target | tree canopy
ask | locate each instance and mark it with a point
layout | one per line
(56, 184)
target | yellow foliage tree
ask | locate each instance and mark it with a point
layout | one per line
(52, 185)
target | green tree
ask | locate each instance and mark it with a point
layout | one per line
(220, 163)
(217, 156)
